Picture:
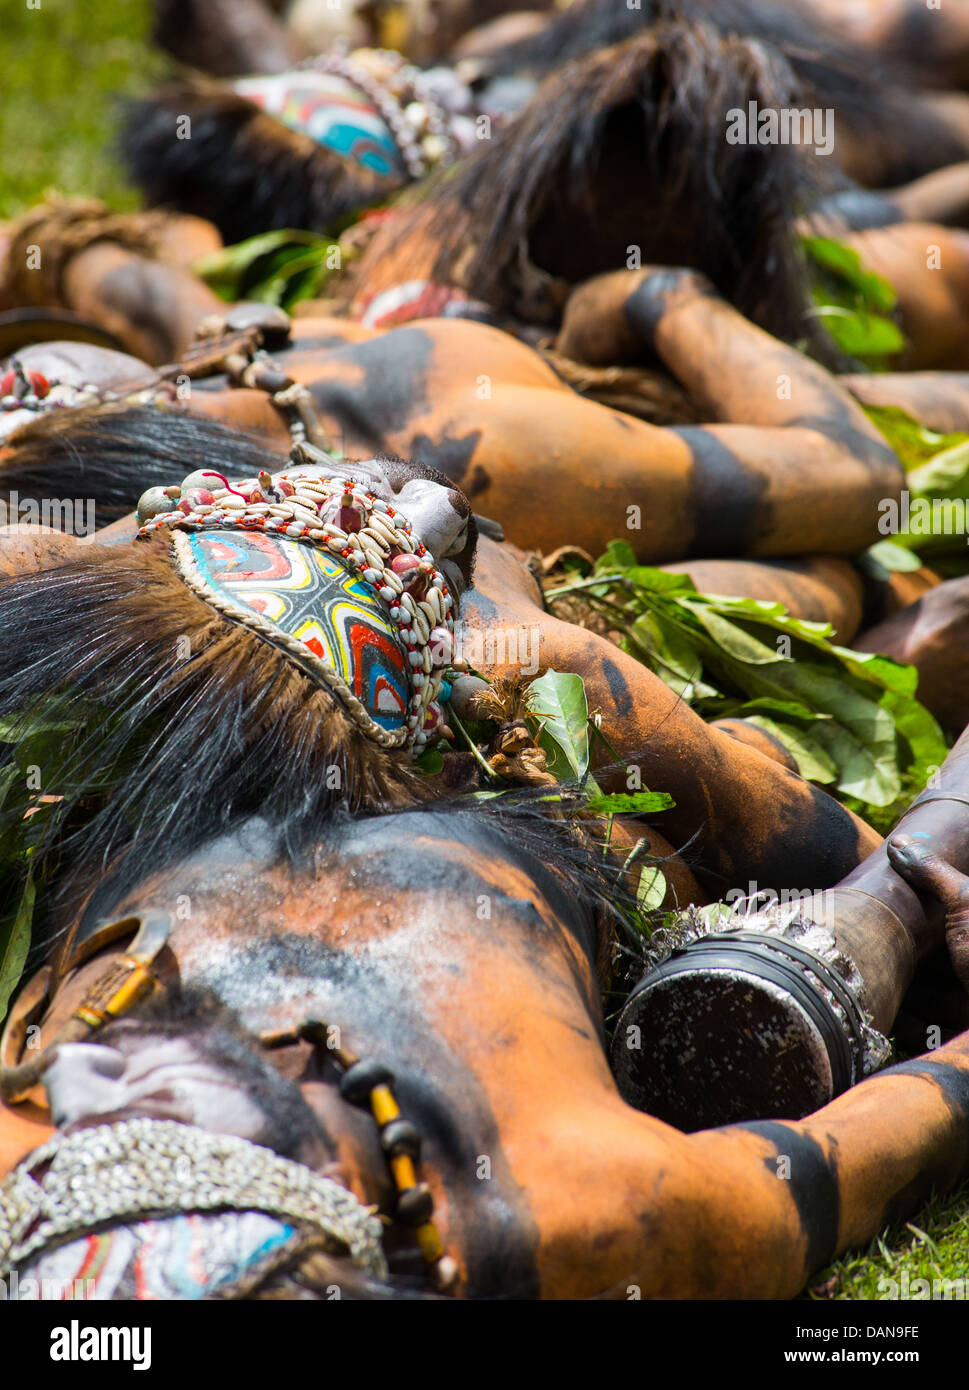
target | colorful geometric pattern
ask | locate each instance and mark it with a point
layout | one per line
(183, 1257)
(312, 597)
(330, 111)
(416, 299)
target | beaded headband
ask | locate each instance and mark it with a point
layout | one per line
(328, 573)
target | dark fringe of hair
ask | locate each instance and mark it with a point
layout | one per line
(877, 102)
(730, 209)
(178, 722)
(242, 169)
(114, 452)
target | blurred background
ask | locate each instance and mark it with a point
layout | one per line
(62, 68)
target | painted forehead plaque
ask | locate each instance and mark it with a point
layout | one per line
(331, 111)
(307, 594)
(332, 575)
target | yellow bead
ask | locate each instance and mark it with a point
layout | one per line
(383, 1105)
(429, 1241)
(402, 1168)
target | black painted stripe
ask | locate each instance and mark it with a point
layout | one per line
(813, 1185)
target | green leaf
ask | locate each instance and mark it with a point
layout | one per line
(431, 762)
(885, 558)
(15, 943)
(845, 263)
(812, 760)
(656, 581)
(630, 803)
(730, 638)
(619, 555)
(16, 729)
(946, 474)
(651, 892)
(913, 442)
(558, 701)
(850, 719)
(278, 267)
(866, 762)
(860, 334)
(853, 302)
(881, 670)
(859, 735)
(8, 779)
(788, 707)
(232, 260)
(674, 658)
(920, 731)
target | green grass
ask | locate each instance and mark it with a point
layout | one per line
(933, 1245)
(63, 66)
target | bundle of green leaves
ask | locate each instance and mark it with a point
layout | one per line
(850, 719)
(933, 523)
(855, 305)
(281, 267)
(558, 719)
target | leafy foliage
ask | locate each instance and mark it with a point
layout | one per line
(854, 304)
(561, 726)
(27, 816)
(41, 763)
(912, 441)
(558, 700)
(560, 723)
(849, 719)
(280, 267)
(937, 484)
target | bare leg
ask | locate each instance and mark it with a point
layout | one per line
(932, 635)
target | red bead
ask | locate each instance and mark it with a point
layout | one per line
(400, 564)
(7, 383)
(195, 497)
(38, 384)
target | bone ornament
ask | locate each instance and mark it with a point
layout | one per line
(768, 1012)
